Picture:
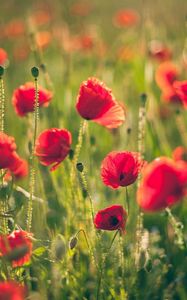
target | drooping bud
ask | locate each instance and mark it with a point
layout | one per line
(73, 242)
(59, 247)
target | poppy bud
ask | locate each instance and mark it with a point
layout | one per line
(43, 67)
(84, 193)
(73, 242)
(1, 71)
(80, 167)
(59, 247)
(92, 140)
(35, 72)
(71, 154)
(143, 98)
(148, 265)
(129, 130)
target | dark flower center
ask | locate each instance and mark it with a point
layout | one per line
(122, 176)
(113, 220)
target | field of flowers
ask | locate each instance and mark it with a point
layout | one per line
(93, 150)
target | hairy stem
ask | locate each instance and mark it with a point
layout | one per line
(32, 161)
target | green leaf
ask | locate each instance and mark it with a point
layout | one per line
(39, 251)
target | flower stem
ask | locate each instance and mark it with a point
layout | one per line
(2, 104)
(141, 150)
(127, 200)
(3, 204)
(103, 265)
(77, 149)
(178, 227)
(32, 157)
(85, 189)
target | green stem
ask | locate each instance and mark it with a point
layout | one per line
(85, 188)
(178, 227)
(103, 265)
(32, 160)
(2, 104)
(141, 150)
(3, 206)
(127, 200)
(78, 146)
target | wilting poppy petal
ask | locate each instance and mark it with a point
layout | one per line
(95, 102)
(111, 218)
(52, 146)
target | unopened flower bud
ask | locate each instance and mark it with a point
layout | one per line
(35, 72)
(1, 71)
(80, 167)
(58, 247)
(73, 242)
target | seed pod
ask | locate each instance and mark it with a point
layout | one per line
(73, 242)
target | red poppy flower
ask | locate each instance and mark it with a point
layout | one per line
(111, 218)
(180, 153)
(95, 102)
(158, 51)
(166, 75)
(18, 242)
(10, 290)
(19, 167)
(163, 184)
(41, 17)
(84, 42)
(180, 88)
(121, 168)
(125, 18)
(21, 51)
(81, 8)
(7, 150)
(43, 39)
(52, 146)
(24, 98)
(14, 28)
(3, 57)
